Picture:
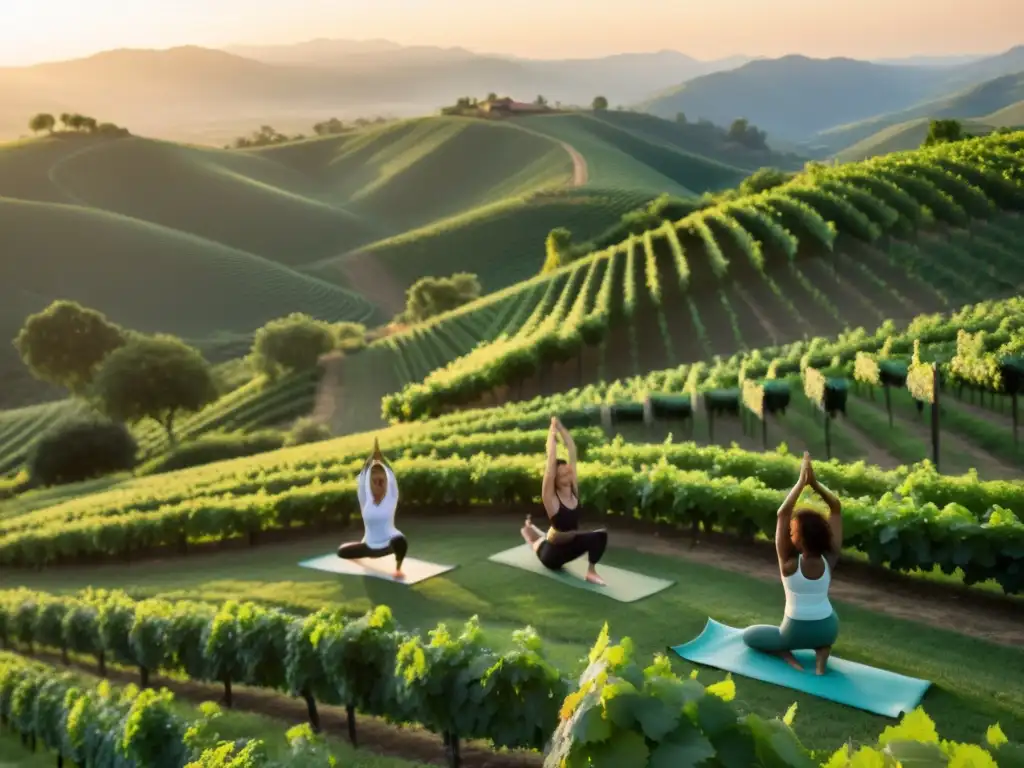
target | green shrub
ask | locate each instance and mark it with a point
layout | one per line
(308, 430)
(291, 344)
(80, 450)
(211, 448)
(350, 337)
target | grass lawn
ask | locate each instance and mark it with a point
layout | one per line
(975, 683)
(231, 726)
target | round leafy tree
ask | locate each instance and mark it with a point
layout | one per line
(66, 343)
(155, 377)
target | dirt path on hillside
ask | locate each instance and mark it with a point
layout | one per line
(580, 170)
(328, 392)
(366, 275)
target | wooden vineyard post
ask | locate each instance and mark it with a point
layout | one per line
(1011, 371)
(923, 384)
(753, 399)
(829, 396)
(725, 401)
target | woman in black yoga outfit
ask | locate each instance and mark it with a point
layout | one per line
(563, 542)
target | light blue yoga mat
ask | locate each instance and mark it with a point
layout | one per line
(844, 682)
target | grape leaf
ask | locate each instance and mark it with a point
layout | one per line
(626, 749)
(591, 726)
(685, 747)
(656, 718)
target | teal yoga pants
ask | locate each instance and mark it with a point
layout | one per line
(793, 635)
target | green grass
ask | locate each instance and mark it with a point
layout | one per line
(975, 683)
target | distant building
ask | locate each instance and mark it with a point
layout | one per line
(508, 106)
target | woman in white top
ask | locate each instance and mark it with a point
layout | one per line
(808, 545)
(378, 499)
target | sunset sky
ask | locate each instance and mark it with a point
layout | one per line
(35, 30)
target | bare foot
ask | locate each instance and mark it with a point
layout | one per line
(821, 660)
(593, 578)
(790, 659)
(398, 575)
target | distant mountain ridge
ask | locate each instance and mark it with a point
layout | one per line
(796, 98)
(975, 102)
(167, 92)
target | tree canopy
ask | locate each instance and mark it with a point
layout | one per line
(66, 343)
(943, 132)
(750, 136)
(430, 296)
(292, 343)
(600, 103)
(44, 121)
(154, 377)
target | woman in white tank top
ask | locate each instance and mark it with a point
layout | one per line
(378, 500)
(808, 545)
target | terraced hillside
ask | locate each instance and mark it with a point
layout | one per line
(834, 248)
(503, 243)
(337, 227)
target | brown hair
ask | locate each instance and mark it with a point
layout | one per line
(814, 531)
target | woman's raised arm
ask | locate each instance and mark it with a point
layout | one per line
(835, 516)
(547, 489)
(570, 444)
(784, 547)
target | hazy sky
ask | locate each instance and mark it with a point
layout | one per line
(41, 30)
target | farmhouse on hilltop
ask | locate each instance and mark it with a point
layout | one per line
(508, 106)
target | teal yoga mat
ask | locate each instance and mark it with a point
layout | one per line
(382, 568)
(844, 682)
(624, 586)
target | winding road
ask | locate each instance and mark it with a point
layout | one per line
(580, 171)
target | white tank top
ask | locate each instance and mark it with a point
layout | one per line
(807, 599)
(378, 519)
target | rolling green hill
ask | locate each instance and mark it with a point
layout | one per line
(338, 226)
(1011, 116)
(900, 138)
(146, 277)
(503, 243)
(974, 103)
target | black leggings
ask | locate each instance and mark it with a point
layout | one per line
(555, 556)
(357, 550)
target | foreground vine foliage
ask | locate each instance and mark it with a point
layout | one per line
(623, 714)
(99, 726)
(620, 715)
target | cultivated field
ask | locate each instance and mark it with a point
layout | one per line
(835, 311)
(337, 227)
